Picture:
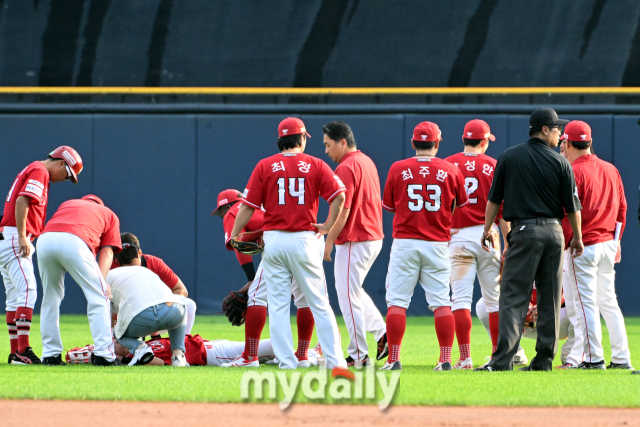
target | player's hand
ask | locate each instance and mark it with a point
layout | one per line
(576, 248)
(25, 246)
(328, 248)
(618, 254)
(453, 232)
(489, 241)
(322, 228)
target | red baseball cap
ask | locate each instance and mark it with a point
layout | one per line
(292, 126)
(477, 129)
(93, 199)
(71, 158)
(427, 132)
(577, 131)
(225, 198)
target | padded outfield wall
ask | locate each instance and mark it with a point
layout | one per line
(161, 175)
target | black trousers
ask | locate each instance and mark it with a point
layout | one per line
(535, 253)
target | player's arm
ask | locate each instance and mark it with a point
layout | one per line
(505, 228)
(180, 289)
(22, 210)
(242, 219)
(576, 246)
(489, 217)
(105, 259)
(334, 211)
(335, 232)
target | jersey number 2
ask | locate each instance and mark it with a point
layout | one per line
(299, 193)
(433, 193)
(472, 185)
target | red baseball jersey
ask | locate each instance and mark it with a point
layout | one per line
(95, 224)
(359, 175)
(32, 182)
(288, 186)
(196, 352)
(158, 266)
(477, 170)
(422, 191)
(601, 193)
(255, 223)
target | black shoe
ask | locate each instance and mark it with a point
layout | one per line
(12, 357)
(635, 373)
(350, 361)
(27, 357)
(363, 363)
(531, 368)
(594, 365)
(624, 366)
(101, 361)
(395, 366)
(53, 360)
(383, 348)
(485, 368)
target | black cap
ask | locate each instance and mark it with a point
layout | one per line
(545, 117)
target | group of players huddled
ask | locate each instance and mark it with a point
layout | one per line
(439, 217)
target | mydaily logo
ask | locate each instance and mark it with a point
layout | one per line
(313, 386)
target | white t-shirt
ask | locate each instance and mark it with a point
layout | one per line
(135, 289)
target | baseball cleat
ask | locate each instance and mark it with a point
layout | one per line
(484, 368)
(395, 366)
(635, 373)
(383, 348)
(304, 363)
(273, 361)
(142, 355)
(360, 363)
(241, 362)
(566, 366)
(180, 360)
(53, 360)
(624, 366)
(27, 357)
(520, 358)
(446, 366)
(101, 361)
(11, 358)
(464, 364)
(318, 349)
(593, 365)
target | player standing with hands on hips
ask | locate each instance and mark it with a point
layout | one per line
(288, 185)
(423, 192)
(25, 211)
(537, 187)
(357, 235)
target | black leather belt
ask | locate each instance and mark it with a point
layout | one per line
(539, 221)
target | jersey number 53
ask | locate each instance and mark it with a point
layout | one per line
(417, 202)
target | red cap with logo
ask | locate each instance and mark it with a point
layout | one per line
(93, 198)
(71, 158)
(427, 132)
(577, 131)
(292, 126)
(226, 197)
(477, 129)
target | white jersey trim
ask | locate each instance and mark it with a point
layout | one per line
(335, 194)
(387, 207)
(250, 204)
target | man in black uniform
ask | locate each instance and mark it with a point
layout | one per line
(538, 187)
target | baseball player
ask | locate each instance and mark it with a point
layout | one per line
(423, 192)
(256, 289)
(592, 275)
(357, 235)
(131, 254)
(467, 257)
(25, 211)
(69, 244)
(288, 185)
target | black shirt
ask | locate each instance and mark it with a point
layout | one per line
(534, 181)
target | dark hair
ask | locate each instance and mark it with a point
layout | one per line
(129, 254)
(472, 142)
(289, 141)
(338, 131)
(533, 131)
(580, 145)
(424, 145)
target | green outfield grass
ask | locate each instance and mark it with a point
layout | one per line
(418, 384)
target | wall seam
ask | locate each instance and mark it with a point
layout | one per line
(195, 228)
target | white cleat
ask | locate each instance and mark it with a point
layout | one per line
(464, 364)
(179, 360)
(241, 362)
(142, 355)
(520, 359)
(395, 366)
(446, 366)
(304, 363)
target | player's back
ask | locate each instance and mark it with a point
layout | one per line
(422, 192)
(287, 185)
(477, 170)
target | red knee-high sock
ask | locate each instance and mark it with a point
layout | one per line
(463, 332)
(396, 325)
(494, 321)
(254, 323)
(304, 319)
(445, 330)
(13, 330)
(23, 324)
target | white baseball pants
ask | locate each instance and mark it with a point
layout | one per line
(258, 291)
(17, 272)
(468, 259)
(572, 350)
(352, 263)
(64, 252)
(412, 260)
(593, 276)
(223, 351)
(298, 256)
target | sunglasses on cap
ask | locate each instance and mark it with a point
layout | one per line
(69, 175)
(129, 245)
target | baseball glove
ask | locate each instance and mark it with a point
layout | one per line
(249, 243)
(79, 355)
(234, 307)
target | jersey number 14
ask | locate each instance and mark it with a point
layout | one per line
(282, 190)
